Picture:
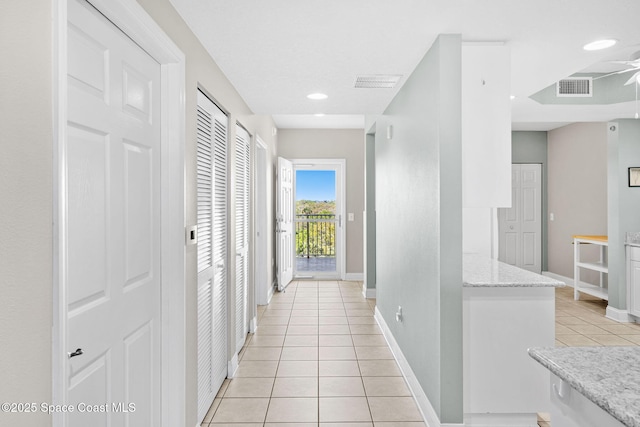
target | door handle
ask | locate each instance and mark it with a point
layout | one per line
(78, 352)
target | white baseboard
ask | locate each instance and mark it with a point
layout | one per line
(500, 420)
(271, 291)
(232, 366)
(253, 325)
(368, 293)
(426, 409)
(353, 277)
(618, 315)
(564, 279)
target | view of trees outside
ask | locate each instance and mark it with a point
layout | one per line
(316, 234)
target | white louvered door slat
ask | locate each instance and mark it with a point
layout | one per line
(211, 219)
(242, 165)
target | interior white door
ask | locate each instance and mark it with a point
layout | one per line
(284, 223)
(211, 219)
(242, 185)
(520, 227)
(111, 226)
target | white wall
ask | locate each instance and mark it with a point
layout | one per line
(26, 209)
(486, 143)
(335, 144)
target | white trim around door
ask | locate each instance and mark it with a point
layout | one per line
(133, 20)
(261, 185)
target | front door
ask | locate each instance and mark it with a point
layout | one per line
(111, 226)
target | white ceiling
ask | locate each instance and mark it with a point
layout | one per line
(276, 52)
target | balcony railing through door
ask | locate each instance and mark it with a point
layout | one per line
(315, 242)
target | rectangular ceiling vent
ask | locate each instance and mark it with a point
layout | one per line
(574, 87)
(378, 81)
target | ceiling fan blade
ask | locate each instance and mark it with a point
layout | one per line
(631, 63)
(615, 73)
(633, 79)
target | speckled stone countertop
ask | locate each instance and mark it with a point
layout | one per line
(481, 271)
(608, 376)
(632, 238)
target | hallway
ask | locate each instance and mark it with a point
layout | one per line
(318, 358)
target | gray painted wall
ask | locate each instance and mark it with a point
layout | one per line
(624, 203)
(419, 224)
(531, 147)
(370, 210)
(577, 193)
(26, 210)
(335, 144)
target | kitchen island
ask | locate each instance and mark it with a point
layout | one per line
(506, 311)
(593, 386)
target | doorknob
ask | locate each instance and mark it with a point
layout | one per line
(78, 352)
(511, 227)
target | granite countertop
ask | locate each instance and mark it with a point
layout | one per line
(482, 271)
(632, 238)
(608, 376)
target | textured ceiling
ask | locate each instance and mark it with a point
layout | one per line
(276, 52)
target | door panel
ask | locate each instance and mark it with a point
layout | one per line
(242, 165)
(212, 251)
(112, 224)
(511, 245)
(284, 223)
(520, 227)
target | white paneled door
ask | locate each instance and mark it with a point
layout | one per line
(520, 227)
(242, 186)
(284, 223)
(212, 126)
(111, 226)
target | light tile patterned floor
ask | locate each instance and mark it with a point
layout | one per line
(317, 359)
(583, 323)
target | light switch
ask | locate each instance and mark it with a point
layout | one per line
(552, 217)
(350, 216)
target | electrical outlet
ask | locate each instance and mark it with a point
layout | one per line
(399, 314)
(350, 216)
(552, 217)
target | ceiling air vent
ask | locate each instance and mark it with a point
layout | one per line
(575, 87)
(377, 81)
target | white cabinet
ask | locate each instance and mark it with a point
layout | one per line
(633, 280)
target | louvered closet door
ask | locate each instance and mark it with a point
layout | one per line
(212, 244)
(242, 232)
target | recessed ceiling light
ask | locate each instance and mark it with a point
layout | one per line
(600, 44)
(513, 97)
(319, 114)
(317, 96)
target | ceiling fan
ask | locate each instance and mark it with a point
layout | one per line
(634, 63)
